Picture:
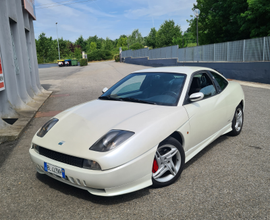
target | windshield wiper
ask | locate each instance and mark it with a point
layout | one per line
(130, 99)
(108, 97)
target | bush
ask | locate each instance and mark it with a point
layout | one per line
(136, 46)
(100, 55)
(116, 57)
(83, 62)
(124, 48)
(40, 60)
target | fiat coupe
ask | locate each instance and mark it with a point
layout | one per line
(141, 131)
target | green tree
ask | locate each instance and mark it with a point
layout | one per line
(167, 32)
(136, 46)
(151, 39)
(100, 55)
(219, 21)
(81, 42)
(107, 44)
(123, 35)
(135, 37)
(256, 18)
(46, 49)
(78, 53)
(115, 42)
(95, 39)
(180, 41)
(122, 42)
(189, 37)
(93, 46)
(92, 39)
(42, 47)
(64, 46)
(53, 50)
(99, 43)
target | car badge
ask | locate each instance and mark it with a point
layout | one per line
(61, 143)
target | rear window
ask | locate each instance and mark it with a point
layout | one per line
(220, 80)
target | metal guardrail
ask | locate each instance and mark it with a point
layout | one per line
(257, 49)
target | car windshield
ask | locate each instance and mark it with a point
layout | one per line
(150, 88)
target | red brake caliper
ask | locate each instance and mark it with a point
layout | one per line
(155, 166)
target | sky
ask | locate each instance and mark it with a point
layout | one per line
(107, 18)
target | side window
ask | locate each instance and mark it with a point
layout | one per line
(220, 80)
(202, 83)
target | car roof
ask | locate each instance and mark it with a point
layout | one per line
(188, 70)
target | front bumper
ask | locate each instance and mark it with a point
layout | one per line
(129, 177)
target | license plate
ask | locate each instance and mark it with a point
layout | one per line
(54, 170)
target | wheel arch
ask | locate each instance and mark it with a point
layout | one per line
(179, 137)
(242, 104)
(173, 141)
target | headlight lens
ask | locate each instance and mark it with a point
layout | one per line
(45, 128)
(111, 140)
(91, 164)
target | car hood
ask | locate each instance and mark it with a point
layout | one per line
(81, 126)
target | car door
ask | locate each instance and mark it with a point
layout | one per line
(206, 116)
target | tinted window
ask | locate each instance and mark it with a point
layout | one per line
(133, 84)
(220, 80)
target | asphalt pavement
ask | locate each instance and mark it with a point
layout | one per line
(230, 179)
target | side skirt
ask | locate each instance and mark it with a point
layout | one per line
(196, 149)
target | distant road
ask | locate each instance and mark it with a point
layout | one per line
(47, 65)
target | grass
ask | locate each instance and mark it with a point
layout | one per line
(192, 45)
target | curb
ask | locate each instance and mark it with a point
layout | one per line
(13, 132)
(253, 84)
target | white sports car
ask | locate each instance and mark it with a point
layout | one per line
(141, 131)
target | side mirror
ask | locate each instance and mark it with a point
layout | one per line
(196, 96)
(104, 90)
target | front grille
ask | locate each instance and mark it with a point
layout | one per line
(64, 158)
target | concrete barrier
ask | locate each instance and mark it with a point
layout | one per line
(248, 71)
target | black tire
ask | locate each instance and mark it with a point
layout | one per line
(167, 167)
(238, 120)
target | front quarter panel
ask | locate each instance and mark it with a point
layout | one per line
(149, 132)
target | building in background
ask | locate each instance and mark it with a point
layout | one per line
(19, 79)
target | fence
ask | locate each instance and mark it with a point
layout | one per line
(257, 49)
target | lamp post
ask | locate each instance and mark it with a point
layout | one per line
(57, 41)
(196, 13)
